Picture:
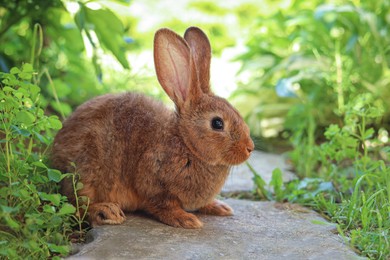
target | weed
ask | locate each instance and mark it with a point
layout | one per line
(82, 204)
(353, 183)
(320, 81)
(35, 218)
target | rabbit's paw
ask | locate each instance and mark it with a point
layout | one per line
(183, 220)
(177, 218)
(105, 213)
(217, 208)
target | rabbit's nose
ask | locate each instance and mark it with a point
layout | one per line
(251, 146)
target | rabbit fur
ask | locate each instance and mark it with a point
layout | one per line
(133, 153)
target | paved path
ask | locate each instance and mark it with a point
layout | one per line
(258, 230)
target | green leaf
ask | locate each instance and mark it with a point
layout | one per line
(66, 209)
(55, 123)
(8, 103)
(79, 18)
(368, 133)
(19, 131)
(25, 117)
(79, 185)
(10, 80)
(54, 175)
(111, 38)
(33, 245)
(19, 94)
(61, 107)
(331, 131)
(25, 75)
(49, 209)
(277, 183)
(35, 221)
(64, 249)
(322, 223)
(8, 89)
(11, 223)
(34, 90)
(27, 72)
(40, 164)
(27, 67)
(6, 209)
(41, 138)
(56, 220)
(260, 184)
(261, 188)
(53, 198)
(85, 201)
(14, 71)
(259, 181)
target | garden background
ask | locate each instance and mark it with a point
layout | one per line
(311, 78)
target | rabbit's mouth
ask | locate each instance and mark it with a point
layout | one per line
(239, 152)
(236, 159)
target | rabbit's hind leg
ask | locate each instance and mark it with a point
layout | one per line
(105, 213)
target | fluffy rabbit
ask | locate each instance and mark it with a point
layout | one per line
(133, 153)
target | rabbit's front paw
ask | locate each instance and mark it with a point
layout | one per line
(184, 220)
(217, 208)
(176, 217)
(105, 213)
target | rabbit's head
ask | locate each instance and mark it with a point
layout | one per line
(210, 127)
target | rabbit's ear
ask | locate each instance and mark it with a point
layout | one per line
(174, 66)
(201, 53)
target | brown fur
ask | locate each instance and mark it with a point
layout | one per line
(132, 153)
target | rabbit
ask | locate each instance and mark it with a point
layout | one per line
(133, 153)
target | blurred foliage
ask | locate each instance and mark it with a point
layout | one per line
(66, 42)
(317, 75)
(309, 58)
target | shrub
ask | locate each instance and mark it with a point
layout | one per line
(35, 218)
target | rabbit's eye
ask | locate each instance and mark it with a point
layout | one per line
(217, 123)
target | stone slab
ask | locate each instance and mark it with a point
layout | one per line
(258, 230)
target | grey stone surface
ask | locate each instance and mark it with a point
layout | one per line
(258, 230)
(240, 178)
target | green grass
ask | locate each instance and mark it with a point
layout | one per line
(363, 215)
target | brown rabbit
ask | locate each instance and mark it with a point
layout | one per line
(133, 153)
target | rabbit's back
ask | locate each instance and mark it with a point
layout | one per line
(105, 138)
